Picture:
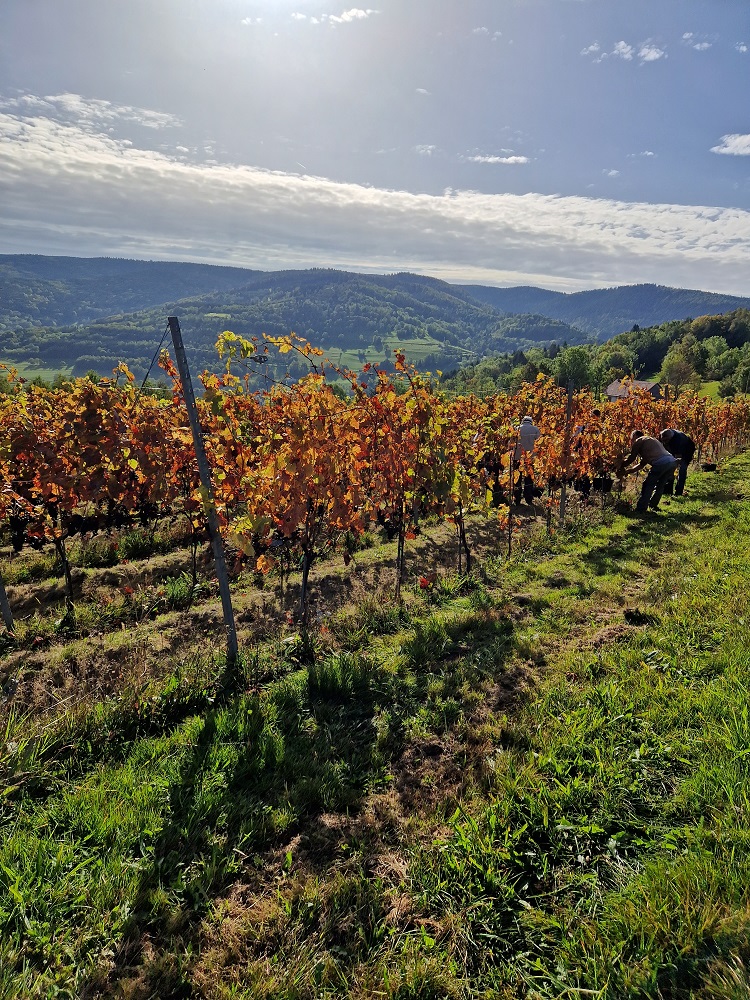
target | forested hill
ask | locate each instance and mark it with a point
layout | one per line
(715, 348)
(78, 314)
(60, 291)
(605, 312)
(355, 316)
(680, 353)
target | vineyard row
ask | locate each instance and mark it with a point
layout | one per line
(298, 467)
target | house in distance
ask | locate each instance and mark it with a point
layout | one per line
(619, 389)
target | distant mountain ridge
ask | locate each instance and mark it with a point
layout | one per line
(357, 316)
(605, 312)
(59, 291)
(89, 313)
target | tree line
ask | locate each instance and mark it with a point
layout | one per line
(681, 354)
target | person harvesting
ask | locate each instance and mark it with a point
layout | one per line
(650, 451)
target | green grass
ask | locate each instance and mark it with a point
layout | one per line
(711, 390)
(31, 371)
(533, 784)
(94, 551)
(415, 350)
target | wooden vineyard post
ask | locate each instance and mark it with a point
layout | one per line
(566, 454)
(205, 477)
(400, 561)
(5, 608)
(510, 502)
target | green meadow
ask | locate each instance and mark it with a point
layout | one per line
(31, 371)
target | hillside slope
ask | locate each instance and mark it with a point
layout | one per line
(60, 291)
(79, 314)
(332, 309)
(605, 312)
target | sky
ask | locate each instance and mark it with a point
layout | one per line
(567, 144)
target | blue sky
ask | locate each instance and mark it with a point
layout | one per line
(563, 143)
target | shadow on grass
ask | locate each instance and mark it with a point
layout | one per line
(258, 768)
(330, 588)
(264, 768)
(642, 534)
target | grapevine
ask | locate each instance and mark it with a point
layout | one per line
(300, 466)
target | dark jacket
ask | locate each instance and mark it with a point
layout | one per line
(681, 446)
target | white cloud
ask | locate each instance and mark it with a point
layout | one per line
(88, 112)
(346, 17)
(425, 150)
(480, 31)
(691, 39)
(252, 20)
(623, 50)
(733, 145)
(650, 53)
(355, 14)
(646, 52)
(480, 158)
(423, 92)
(611, 173)
(65, 189)
(741, 47)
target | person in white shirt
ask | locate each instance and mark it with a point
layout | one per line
(528, 432)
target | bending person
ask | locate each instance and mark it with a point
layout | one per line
(650, 451)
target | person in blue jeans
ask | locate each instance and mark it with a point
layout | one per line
(650, 451)
(683, 448)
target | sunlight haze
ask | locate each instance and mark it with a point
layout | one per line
(563, 143)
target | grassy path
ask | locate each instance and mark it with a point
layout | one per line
(533, 785)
